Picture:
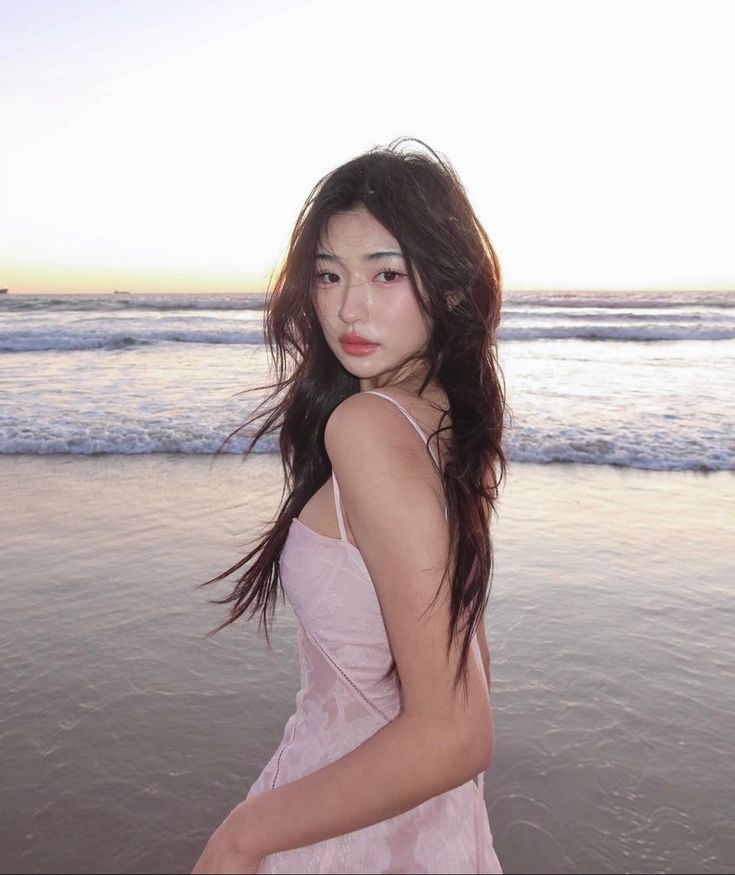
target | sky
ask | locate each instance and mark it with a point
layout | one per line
(169, 146)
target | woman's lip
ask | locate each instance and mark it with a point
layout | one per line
(361, 348)
(356, 338)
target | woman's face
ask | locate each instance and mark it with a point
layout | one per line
(361, 286)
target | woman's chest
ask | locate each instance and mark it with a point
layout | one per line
(328, 584)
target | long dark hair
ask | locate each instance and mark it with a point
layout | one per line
(420, 200)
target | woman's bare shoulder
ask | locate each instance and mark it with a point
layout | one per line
(434, 400)
(431, 412)
(367, 436)
(358, 420)
(427, 409)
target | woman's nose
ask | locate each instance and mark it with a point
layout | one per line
(355, 300)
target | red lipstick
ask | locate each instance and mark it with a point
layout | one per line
(356, 344)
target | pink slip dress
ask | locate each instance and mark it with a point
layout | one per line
(342, 701)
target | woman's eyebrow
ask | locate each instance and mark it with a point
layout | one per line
(373, 256)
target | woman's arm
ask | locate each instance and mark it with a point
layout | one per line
(484, 650)
(399, 767)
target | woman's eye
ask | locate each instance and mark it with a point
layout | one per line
(324, 273)
(394, 274)
(326, 277)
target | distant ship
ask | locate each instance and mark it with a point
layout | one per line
(121, 292)
(3, 291)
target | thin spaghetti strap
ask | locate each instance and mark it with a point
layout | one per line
(415, 425)
(408, 417)
(338, 508)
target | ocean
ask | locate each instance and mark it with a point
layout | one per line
(636, 379)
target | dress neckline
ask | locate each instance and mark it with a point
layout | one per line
(326, 538)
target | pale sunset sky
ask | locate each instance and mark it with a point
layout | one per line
(168, 146)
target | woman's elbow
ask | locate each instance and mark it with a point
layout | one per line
(486, 750)
(480, 746)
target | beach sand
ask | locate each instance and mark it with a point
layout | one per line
(127, 736)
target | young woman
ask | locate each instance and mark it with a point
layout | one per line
(390, 430)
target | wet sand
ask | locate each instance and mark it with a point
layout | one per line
(126, 737)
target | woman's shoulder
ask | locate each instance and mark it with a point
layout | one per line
(365, 416)
(425, 409)
(376, 455)
(359, 416)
